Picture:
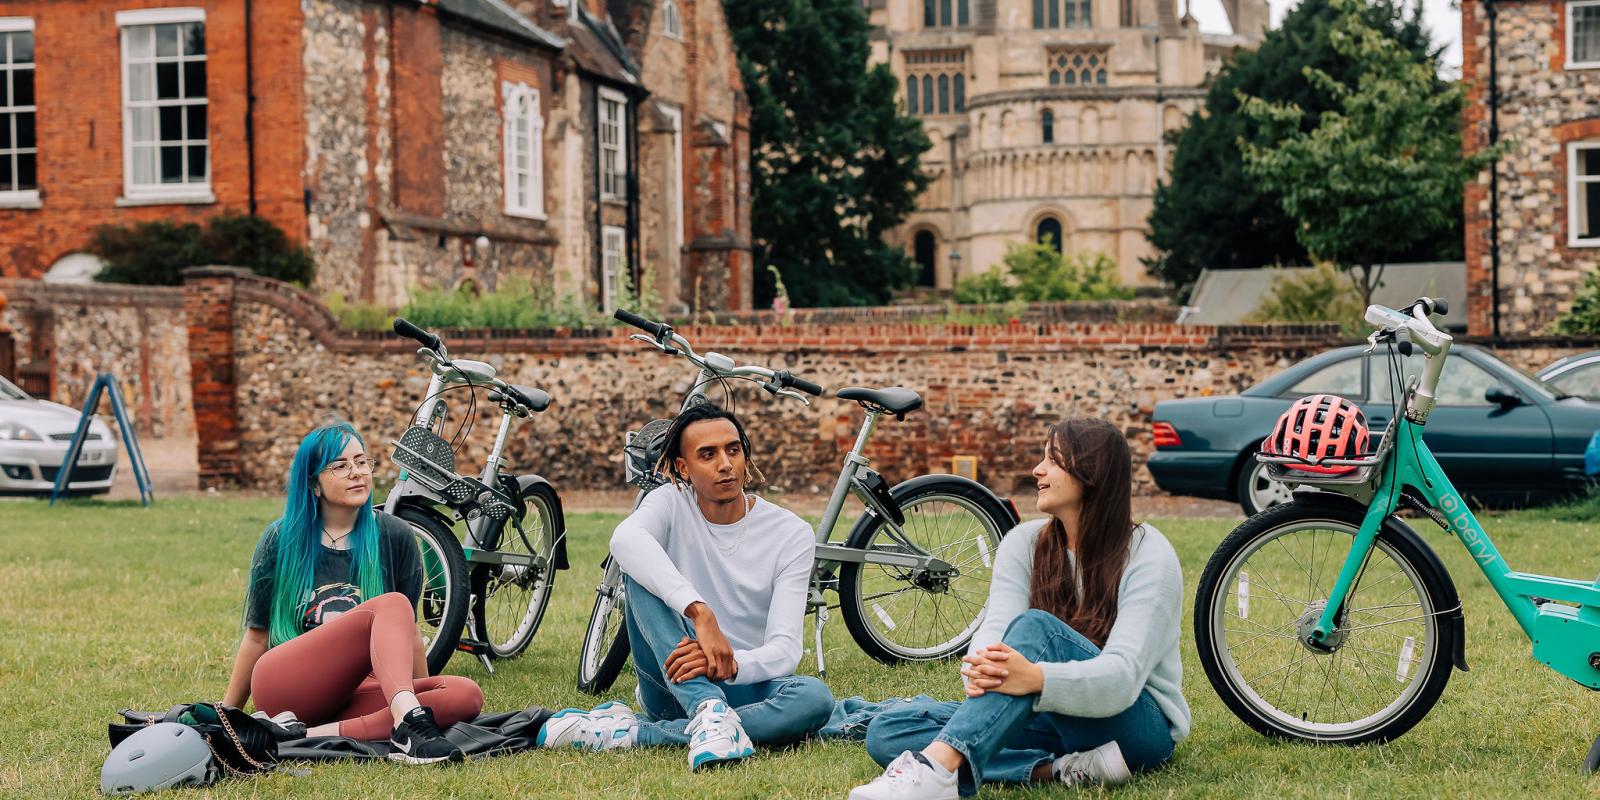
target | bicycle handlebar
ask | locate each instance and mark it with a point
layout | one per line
(789, 379)
(422, 337)
(655, 329)
(1412, 326)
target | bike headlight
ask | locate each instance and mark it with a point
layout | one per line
(17, 432)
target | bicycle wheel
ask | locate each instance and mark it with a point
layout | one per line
(1378, 674)
(510, 601)
(896, 614)
(443, 609)
(605, 640)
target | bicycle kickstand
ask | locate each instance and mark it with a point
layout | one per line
(481, 654)
(1591, 765)
(822, 620)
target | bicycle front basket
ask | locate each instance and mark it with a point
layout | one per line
(643, 451)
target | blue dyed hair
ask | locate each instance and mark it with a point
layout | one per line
(298, 539)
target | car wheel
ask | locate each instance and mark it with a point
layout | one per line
(1256, 491)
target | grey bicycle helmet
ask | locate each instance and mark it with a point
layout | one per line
(161, 756)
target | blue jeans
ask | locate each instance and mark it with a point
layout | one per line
(775, 712)
(1003, 739)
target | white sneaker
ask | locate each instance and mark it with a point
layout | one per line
(716, 737)
(614, 708)
(909, 778)
(1104, 764)
(573, 727)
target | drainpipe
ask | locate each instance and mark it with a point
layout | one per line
(250, 105)
(1494, 169)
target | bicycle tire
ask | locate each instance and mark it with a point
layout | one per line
(870, 622)
(442, 612)
(542, 527)
(605, 639)
(1286, 715)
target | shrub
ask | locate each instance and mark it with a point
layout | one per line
(1584, 316)
(1317, 295)
(1039, 274)
(156, 253)
(510, 307)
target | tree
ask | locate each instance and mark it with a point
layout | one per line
(1209, 213)
(1040, 274)
(1382, 169)
(834, 164)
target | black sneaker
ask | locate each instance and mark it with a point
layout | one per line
(417, 740)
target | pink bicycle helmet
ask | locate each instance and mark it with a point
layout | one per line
(1317, 427)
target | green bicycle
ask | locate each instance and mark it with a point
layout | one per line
(1299, 651)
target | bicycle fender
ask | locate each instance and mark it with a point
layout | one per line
(421, 503)
(858, 533)
(525, 482)
(1400, 530)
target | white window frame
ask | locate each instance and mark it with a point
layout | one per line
(24, 198)
(1572, 7)
(512, 95)
(1573, 181)
(158, 193)
(671, 19)
(613, 260)
(612, 97)
(676, 115)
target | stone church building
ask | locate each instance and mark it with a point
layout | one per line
(1046, 118)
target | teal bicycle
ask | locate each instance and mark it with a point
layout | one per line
(1328, 619)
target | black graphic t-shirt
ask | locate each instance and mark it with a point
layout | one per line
(334, 590)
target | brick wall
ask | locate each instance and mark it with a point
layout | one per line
(1543, 107)
(78, 84)
(135, 333)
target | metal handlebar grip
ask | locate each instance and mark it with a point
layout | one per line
(653, 328)
(410, 331)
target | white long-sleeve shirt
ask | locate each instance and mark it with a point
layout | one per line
(1141, 651)
(754, 574)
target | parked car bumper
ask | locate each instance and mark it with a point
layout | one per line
(1194, 473)
(31, 467)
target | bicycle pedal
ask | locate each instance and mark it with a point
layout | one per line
(473, 646)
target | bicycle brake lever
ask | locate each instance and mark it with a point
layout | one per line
(1372, 341)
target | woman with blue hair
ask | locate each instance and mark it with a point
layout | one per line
(330, 626)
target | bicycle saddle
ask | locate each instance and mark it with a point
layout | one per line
(896, 400)
(526, 396)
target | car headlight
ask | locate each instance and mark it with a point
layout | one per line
(17, 432)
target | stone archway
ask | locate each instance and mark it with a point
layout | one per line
(925, 251)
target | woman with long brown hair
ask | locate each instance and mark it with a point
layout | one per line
(1074, 675)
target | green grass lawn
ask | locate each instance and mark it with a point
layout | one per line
(107, 605)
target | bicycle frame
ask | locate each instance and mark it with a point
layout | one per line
(1565, 638)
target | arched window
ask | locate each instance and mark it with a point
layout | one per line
(944, 14)
(925, 249)
(927, 95)
(961, 93)
(1047, 126)
(930, 17)
(671, 20)
(963, 14)
(944, 94)
(911, 94)
(1048, 232)
(523, 140)
(1038, 13)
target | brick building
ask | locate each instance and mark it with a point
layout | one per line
(1533, 221)
(407, 143)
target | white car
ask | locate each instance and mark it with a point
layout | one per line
(34, 436)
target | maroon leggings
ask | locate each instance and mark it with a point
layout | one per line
(350, 668)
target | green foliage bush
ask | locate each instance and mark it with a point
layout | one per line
(509, 307)
(1036, 273)
(156, 253)
(1322, 294)
(1584, 316)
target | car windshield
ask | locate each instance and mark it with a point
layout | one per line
(9, 391)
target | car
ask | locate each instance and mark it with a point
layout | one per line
(1577, 375)
(34, 436)
(1503, 436)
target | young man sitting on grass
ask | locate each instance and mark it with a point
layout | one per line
(716, 583)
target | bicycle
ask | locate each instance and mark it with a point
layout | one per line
(502, 577)
(1366, 658)
(889, 573)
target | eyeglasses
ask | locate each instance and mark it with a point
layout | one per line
(344, 469)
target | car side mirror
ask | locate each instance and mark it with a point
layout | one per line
(1502, 397)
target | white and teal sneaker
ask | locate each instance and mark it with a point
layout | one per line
(716, 737)
(614, 708)
(601, 729)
